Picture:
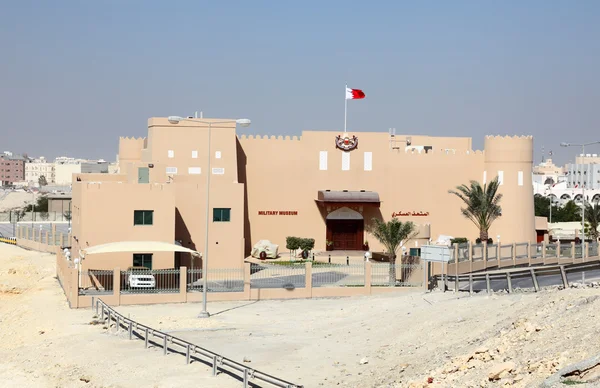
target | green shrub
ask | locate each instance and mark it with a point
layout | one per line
(292, 243)
(459, 240)
(307, 244)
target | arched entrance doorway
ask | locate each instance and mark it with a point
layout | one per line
(345, 228)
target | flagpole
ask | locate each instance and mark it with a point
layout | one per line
(345, 107)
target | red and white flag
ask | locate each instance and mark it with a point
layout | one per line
(354, 94)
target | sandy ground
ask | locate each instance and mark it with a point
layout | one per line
(391, 340)
(10, 200)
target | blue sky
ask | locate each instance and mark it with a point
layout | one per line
(76, 75)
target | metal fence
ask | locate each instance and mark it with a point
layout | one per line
(537, 250)
(405, 273)
(463, 252)
(477, 252)
(96, 282)
(219, 280)
(506, 252)
(192, 352)
(14, 216)
(521, 250)
(277, 276)
(336, 275)
(593, 249)
(492, 252)
(565, 250)
(137, 281)
(551, 250)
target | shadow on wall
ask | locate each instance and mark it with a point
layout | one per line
(242, 161)
(182, 234)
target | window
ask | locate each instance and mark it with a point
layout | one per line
(142, 260)
(345, 161)
(520, 178)
(218, 155)
(171, 153)
(323, 160)
(143, 217)
(194, 170)
(368, 161)
(171, 170)
(194, 154)
(221, 214)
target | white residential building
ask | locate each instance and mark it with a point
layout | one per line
(36, 168)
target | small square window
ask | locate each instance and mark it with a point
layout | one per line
(171, 170)
(194, 154)
(143, 217)
(171, 153)
(142, 260)
(221, 214)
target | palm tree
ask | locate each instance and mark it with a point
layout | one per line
(482, 204)
(392, 235)
(592, 218)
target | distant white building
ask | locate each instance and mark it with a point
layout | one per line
(36, 168)
(65, 167)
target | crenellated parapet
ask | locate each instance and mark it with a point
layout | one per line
(508, 149)
(244, 137)
(130, 148)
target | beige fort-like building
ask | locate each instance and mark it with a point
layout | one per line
(325, 185)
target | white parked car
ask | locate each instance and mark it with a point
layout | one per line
(140, 277)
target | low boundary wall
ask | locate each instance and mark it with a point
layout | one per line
(69, 278)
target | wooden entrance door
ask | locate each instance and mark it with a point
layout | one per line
(346, 234)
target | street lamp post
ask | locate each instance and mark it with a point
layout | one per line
(244, 123)
(582, 190)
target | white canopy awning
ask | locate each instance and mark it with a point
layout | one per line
(137, 247)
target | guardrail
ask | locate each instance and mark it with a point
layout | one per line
(514, 274)
(192, 351)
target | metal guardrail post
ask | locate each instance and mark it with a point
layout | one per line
(118, 323)
(487, 283)
(529, 253)
(509, 281)
(534, 278)
(187, 354)
(109, 319)
(146, 339)
(573, 251)
(563, 275)
(130, 330)
(215, 367)
(165, 345)
(246, 378)
(470, 284)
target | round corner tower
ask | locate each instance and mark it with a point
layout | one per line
(511, 159)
